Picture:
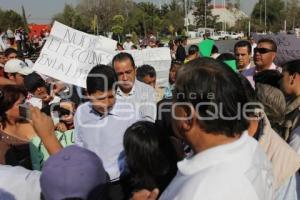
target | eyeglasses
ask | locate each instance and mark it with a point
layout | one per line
(263, 50)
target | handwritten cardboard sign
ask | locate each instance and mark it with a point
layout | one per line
(69, 54)
(159, 58)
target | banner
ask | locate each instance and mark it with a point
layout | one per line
(69, 54)
(159, 58)
(288, 46)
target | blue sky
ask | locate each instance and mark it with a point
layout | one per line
(38, 11)
(41, 11)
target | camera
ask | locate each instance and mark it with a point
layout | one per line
(24, 111)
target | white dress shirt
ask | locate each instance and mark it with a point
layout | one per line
(142, 97)
(23, 184)
(236, 171)
(104, 134)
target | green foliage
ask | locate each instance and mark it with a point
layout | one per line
(275, 15)
(10, 19)
(124, 16)
(71, 17)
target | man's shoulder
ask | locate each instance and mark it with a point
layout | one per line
(249, 72)
(84, 109)
(84, 106)
(212, 183)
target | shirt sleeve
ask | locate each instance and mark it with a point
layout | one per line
(148, 108)
(77, 132)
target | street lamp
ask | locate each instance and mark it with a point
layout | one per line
(265, 16)
(205, 14)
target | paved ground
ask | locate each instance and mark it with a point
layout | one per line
(226, 45)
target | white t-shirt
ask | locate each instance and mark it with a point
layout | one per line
(127, 45)
(236, 171)
(23, 184)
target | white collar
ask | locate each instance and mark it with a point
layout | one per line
(132, 91)
(271, 67)
(213, 156)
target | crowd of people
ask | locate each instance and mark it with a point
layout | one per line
(227, 126)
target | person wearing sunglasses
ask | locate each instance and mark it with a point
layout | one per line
(264, 55)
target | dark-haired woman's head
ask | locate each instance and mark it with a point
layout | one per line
(11, 96)
(290, 82)
(150, 156)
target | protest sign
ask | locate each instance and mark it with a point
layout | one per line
(159, 58)
(288, 46)
(69, 54)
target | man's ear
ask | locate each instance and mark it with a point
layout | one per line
(273, 56)
(190, 118)
(294, 77)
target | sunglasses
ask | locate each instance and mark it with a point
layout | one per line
(263, 50)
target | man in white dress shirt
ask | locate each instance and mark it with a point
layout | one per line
(100, 125)
(242, 51)
(227, 163)
(140, 95)
(264, 56)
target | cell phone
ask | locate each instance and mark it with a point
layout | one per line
(24, 111)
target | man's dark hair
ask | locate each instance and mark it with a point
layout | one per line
(292, 67)
(243, 43)
(211, 82)
(123, 56)
(269, 77)
(214, 49)
(226, 56)
(101, 78)
(2, 53)
(270, 41)
(145, 70)
(178, 40)
(9, 51)
(33, 81)
(193, 49)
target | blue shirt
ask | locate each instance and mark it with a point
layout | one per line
(103, 134)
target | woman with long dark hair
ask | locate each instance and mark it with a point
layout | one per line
(150, 156)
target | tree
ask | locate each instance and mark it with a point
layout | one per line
(72, 18)
(25, 20)
(200, 14)
(105, 10)
(237, 4)
(275, 15)
(118, 23)
(292, 14)
(10, 19)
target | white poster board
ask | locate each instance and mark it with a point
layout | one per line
(159, 58)
(69, 54)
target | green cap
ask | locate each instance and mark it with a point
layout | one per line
(205, 47)
(231, 64)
